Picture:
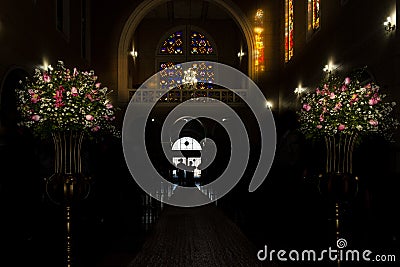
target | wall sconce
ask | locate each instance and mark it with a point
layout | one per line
(45, 66)
(268, 104)
(134, 54)
(329, 67)
(240, 54)
(299, 90)
(389, 26)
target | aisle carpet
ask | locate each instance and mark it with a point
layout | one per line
(199, 236)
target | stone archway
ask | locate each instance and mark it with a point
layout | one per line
(144, 8)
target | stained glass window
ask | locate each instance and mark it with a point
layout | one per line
(172, 75)
(289, 30)
(259, 36)
(186, 45)
(199, 44)
(205, 75)
(316, 14)
(313, 13)
(173, 45)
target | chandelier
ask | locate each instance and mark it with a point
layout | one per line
(189, 80)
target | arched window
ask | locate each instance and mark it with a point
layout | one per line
(186, 143)
(187, 42)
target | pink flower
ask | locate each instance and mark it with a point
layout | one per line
(373, 122)
(59, 104)
(46, 77)
(306, 107)
(318, 91)
(35, 98)
(97, 85)
(332, 96)
(75, 72)
(338, 106)
(343, 88)
(89, 96)
(347, 80)
(319, 126)
(108, 105)
(74, 91)
(89, 117)
(35, 117)
(373, 101)
(321, 118)
(95, 128)
(341, 127)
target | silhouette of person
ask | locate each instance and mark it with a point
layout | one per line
(181, 167)
(190, 173)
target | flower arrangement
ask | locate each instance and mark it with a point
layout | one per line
(344, 105)
(60, 99)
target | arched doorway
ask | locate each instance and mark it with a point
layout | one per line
(190, 149)
(127, 42)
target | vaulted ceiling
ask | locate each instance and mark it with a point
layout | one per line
(188, 9)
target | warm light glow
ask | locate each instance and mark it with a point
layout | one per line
(241, 54)
(389, 24)
(259, 36)
(299, 90)
(45, 64)
(189, 77)
(268, 104)
(133, 53)
(258, 30)
(329, 67)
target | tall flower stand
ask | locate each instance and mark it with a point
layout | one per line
(68, 184)
(338, 184)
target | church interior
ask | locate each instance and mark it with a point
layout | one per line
(138, 50)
